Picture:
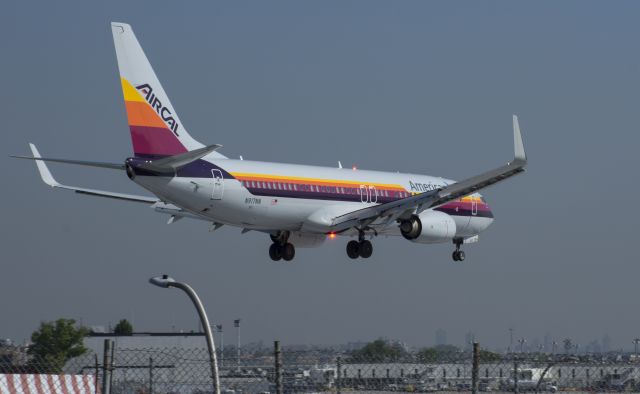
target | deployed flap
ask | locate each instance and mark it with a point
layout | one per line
(174, 162)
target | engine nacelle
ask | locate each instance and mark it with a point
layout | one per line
(429, 227)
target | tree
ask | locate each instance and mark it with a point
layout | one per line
(54, 343)
(438, 353)
(378, 351)
(123, 328)
(488, 356)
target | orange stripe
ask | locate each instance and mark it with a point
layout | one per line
(141, 114)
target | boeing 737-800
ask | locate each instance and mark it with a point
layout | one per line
(297, 205)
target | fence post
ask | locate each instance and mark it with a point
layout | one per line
(339, 373)
(106, 366)
(515, 375)
(96, 382)
(278, 371)
(150, 375)
(475, 369)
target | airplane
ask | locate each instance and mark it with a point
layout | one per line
(296, 205)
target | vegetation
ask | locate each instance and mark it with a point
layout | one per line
(123, 328)
(54, 343)
(437, 353)
(380, 350)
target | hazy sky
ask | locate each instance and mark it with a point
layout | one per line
(426, 87)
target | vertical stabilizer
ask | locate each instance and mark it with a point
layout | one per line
(156, 129)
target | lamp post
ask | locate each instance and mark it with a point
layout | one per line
(218, 328)
(165, 281)
(522, 341)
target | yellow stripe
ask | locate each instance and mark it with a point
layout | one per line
(318, 180)
(129, 92)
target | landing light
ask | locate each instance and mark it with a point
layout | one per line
(354, 168)
(332, 235)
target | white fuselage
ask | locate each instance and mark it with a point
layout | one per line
(271, 196)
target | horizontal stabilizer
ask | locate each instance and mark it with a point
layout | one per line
(48, 178)
(172, 163)
(112, 166)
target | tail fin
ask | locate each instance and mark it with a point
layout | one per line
(156, 129)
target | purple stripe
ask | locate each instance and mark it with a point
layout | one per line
(463, 208)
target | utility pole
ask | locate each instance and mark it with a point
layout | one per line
(236, 324)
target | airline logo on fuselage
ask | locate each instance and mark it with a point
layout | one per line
(423, 187)
(164, 112)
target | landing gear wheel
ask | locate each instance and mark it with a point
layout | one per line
(275, 252)
(366, 249)
(458, 255)
(353, 249)
(288, 252)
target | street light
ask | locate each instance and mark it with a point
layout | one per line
(166, 281)
(522, 341)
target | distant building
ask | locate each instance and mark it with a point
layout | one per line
(95, 341)
(441, 337)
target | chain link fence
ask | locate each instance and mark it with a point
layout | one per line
(187, 371)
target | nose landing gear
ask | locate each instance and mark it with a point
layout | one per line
(281, 249)
(458, 255)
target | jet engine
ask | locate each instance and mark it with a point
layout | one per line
(429, 227)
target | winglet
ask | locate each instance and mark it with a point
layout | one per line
(45, 174)
(517, 141)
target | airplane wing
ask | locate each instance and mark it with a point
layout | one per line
(49, 180)
(432, 199)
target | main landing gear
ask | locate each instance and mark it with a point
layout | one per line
(281, 249)
(360, 248)
(458, 255)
